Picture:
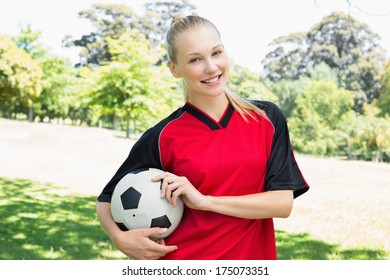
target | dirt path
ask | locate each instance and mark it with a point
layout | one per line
(348, 201)
(80, 159)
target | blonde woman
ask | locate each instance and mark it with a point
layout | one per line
(229, 159)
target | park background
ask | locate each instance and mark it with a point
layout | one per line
(69, 120)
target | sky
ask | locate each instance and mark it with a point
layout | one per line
(247, 26)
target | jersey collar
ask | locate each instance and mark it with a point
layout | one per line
(209, 121)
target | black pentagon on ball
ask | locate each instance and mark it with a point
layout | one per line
(162, 222)
(122, 227)
(130, 198)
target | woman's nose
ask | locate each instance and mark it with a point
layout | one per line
(211, 66)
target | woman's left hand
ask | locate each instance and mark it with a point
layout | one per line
(173, 186)
(263, 205)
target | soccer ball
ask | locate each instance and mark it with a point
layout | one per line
(136, 204)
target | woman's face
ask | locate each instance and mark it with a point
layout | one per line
(201, 62)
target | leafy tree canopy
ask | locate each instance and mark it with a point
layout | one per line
(158, 15)
(110, 21)
(341, 42)
(20, 76)
(248, 85)
(384, 98)
(131, 86)
(320, 111)
(29, 40)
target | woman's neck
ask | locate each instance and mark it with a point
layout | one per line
(214, 106)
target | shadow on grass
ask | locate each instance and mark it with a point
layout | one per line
(37, 223)
(301, 246)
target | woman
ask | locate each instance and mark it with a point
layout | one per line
(229, 159)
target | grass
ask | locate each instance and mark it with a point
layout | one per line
(36, 222)
(302, 246)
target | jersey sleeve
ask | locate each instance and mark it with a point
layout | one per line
(144, 154)
(283, 172)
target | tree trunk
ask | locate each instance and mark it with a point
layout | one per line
(115, 123)
(30, 114)
(128, 124)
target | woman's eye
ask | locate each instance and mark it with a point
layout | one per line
(217, 53)
(192, 60)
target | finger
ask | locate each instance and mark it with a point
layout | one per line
(170, 178)
(158, 251)
(171, 189)
(154, 231)
(168, 249)
(167, 178)
(159, 177)
(166, 186)
(163, 187)
(164, 249)
(161, 249)
(175, 195)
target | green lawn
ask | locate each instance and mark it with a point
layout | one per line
(38, 223)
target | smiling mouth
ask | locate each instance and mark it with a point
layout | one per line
(212, 80)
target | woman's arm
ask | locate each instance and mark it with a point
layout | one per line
(270, 204)
(133, 243)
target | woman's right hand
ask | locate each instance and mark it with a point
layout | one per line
(136, 244)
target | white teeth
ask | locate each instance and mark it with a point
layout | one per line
(212, 80)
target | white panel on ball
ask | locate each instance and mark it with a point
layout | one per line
(136, 203)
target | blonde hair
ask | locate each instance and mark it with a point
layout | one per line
(180, 24)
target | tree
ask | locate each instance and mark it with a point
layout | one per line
(320, 111)
(158, 15)
(80, 109)
(341, 42)
(287, 91)
(129, 87)
(58, 83)
(384, 97)
(288, 59)
(20, 78)
(57, 76)
(28, 40)
(248, 84)
(367, 137)
(109, 21)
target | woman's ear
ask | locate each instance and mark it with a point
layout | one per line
(172, 68)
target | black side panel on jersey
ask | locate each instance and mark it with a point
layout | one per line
(144, 154)
(282, 169)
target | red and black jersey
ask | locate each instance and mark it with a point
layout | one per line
(231, 157)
